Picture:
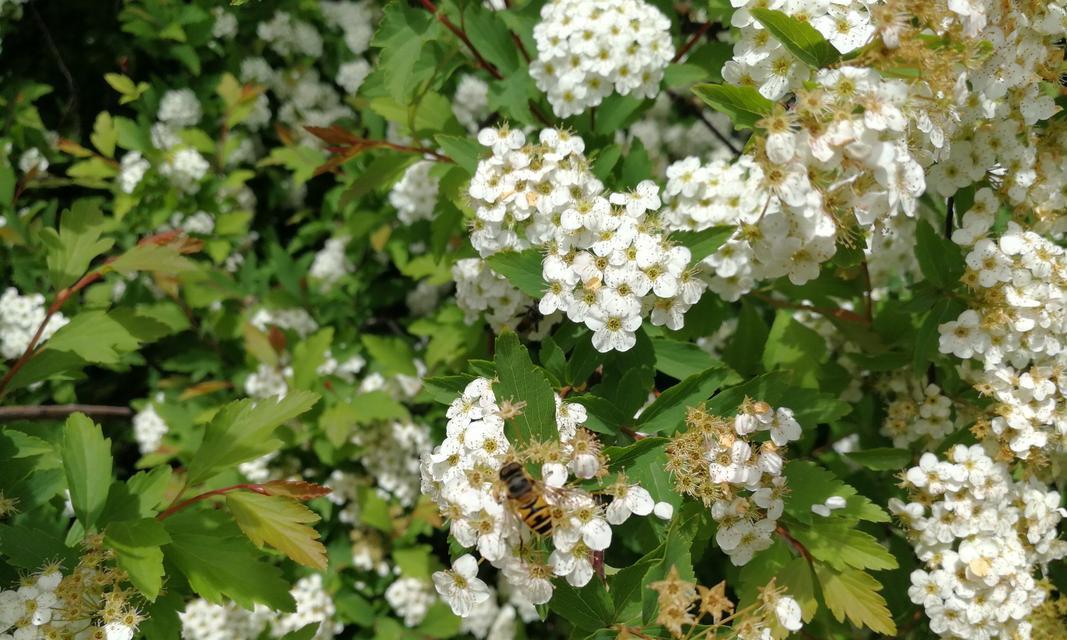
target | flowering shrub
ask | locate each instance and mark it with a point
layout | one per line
(535, 318)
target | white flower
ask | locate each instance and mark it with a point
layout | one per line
(460, 586)
(787, 610)
(634, 499)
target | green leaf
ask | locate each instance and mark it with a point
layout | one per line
(97, 337)
(802, 39)
(339, 420)
(78, 241)
(682, 359)
(308, 356)
(668, 411)
(939, 258)
(221, 564)
(677, 553)
(841, 545)
(520, 381)
(439, 622)
(156, 258)
(31, 548)
(794, 347)
(280, 522)
(465, 151)
(104, 135)
(243, 430)
(137, 548)
(87, 463)
(854, 594)
(928, 335)
(522, 269)
(702, 244)
(811, 484)
(391, 354)
(588, 608)
(401, 36)
(744, 105)
(306, 632)
(881, 458)
(799, 581)
(627, 587)
(491, 38)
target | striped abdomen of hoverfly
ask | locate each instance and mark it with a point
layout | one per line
(526, 498)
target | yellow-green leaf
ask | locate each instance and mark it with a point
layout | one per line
(280, 522)
(854, 594)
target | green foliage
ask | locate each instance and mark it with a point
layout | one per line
(799, 37)
(744, 105)
(88, 466)
(281, 523)
(527, 389)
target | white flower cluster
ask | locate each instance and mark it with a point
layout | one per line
(350, 75)
(33, 160)
(392, 454)
(185, 168)
(268, 381)
(202, 620)
(415, 194)
(982, 535)
(200, 222)
(587, 49)
(288, 36)
(718, 461)
(747, 514)
(480, 290)
(470, 104)
(330, 263)
(915, 413)
(179, 108)
(495, 620)
(462, 476)
(149, 429)
(294, 319)
(411, 598)
(607, 263)
(132, 170)
(355, 19)
(20, 316)
(1015, 332)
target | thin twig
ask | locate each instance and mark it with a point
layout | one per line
(60, 411)
(699, 113)
(782, 531)
(522, 47)
(443, 19)
(693, 39)
(57, 304)
(255, 488)
(72, 87)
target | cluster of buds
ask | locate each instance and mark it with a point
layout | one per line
(683, 605)
(721, 462)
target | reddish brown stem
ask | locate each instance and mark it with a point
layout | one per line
(57, 304)
(255, 488)
(633, 434)
(782, 531)
(522, 47)
(693, 39)
(443, 19)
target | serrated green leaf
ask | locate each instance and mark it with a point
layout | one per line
(802, 39)
(243, 430)
(667, 412)
(78, 241)
(308, 356)
(841, 545)
(280, 522)
(744, 105)
(854, 594)
(812, 484)
(87, 462)
(491, 38)
(390, 354)
(156, 258)
(522, 269)
(588, 608)
(220, 564)
(520, 381)
(104, 135)
(465, 151)
(137, 549)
